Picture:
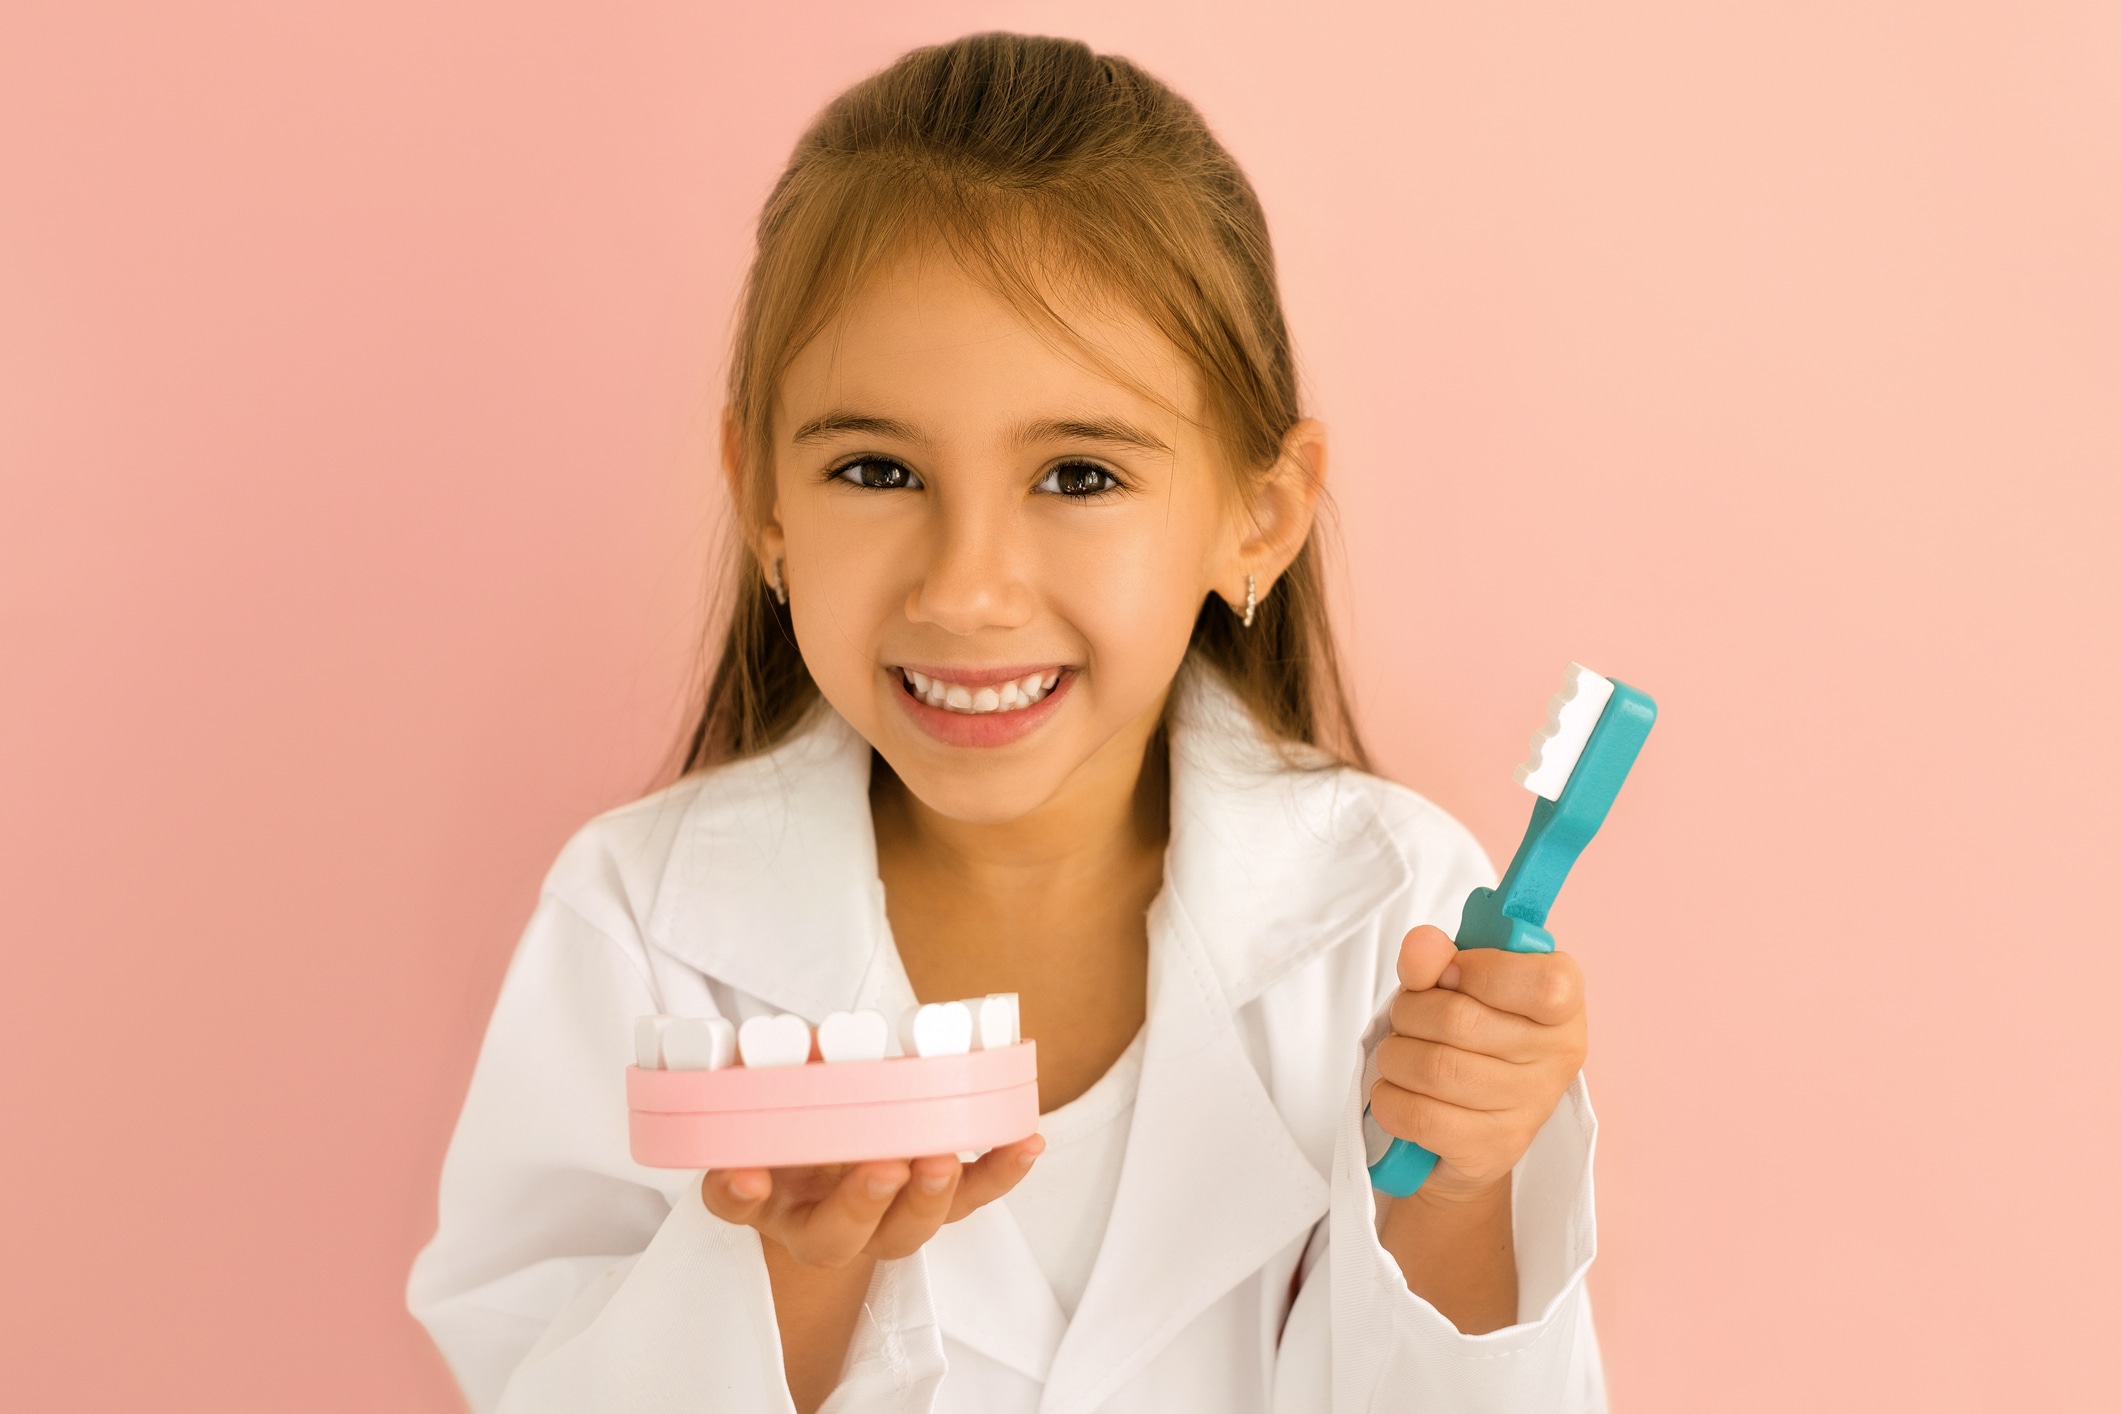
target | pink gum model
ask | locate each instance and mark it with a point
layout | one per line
(781, 1116)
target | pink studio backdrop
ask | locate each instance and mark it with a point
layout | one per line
(356, 377)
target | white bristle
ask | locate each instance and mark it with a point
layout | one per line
(1557, 746)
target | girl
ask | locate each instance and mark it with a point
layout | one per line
(1028, 687)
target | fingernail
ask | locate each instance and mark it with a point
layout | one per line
(747, 1187)
(881, 1187)
(934, 1182)
(1449, 980)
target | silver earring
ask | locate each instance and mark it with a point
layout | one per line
(773, 578)
(1251, 599)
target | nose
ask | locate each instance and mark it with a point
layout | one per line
(976, 575)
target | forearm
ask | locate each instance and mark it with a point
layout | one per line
(816, 1309)
(1458, 1254)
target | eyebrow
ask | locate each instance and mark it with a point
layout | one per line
(1095, 429)
(1110, 430)
(834, 424)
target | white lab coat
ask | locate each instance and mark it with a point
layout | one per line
(1241, 1270)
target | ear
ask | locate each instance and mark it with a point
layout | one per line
(761, 525)
(1278, 519)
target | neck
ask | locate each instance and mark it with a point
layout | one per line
(1112, 813)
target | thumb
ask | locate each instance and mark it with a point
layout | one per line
(1424, 955)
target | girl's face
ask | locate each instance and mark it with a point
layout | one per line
(994, 553)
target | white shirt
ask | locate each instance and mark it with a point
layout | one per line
(1062, 1204)
(1240, 1271)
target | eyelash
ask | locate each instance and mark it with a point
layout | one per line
(1112, 482)
(852, 473)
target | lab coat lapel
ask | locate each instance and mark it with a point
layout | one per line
(990, 1294)
(1213, 1184)
(1268, 866)
(772, 886)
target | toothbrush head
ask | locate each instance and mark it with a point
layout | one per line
(1559, 743)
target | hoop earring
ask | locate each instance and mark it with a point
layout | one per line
(773, 580)
(1251, 599)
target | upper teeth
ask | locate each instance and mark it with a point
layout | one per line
(1009, 696)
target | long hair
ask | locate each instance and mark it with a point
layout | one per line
(1038, 165)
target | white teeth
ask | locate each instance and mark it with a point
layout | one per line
(1009, 696)
(648, 1040)
(774, 1040)
(699, 1043)
(853, 1036)
(994, 1020)
(937, 1029)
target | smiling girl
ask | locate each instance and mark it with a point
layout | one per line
(1028, 687)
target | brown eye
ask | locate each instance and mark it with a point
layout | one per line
(877, 474)
(1079, 479)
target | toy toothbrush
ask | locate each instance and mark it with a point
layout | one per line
(704, 1094)
(1594, 729)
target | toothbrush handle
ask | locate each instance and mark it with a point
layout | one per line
(1495, 918)
(1405, 1165)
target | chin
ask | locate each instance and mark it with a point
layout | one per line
(977, 793)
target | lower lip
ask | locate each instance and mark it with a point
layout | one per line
(981, 728)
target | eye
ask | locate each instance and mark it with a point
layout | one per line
(878, 474)
(1078, 479)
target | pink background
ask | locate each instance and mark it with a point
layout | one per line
(356, 373)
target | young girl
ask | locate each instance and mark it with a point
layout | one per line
(1029, 688)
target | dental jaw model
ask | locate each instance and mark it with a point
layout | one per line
(1595, 728)
(772, 1093)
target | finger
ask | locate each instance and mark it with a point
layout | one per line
(995, 1173)
(1464, 1078)
(921, 1207)
(836, 1228)
(1424, 954)
(1471, 1141)
(1546, 988)
(736, 1195)
(1459, 1020)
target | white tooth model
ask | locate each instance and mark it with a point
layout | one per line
(994, 1021)
(937, 1029)
(774, 1040)
(853, 1036)
(966, 1082)
(648, 1040)
(699, 1043)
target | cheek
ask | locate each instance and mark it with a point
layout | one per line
(847, 577)
(1134, 598)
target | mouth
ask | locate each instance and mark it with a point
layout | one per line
(982, 693)
(982, 707)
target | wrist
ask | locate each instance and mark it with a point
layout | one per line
(1448, 1195)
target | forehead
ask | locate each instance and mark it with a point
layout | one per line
(925, 340)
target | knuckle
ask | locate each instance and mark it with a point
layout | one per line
(1445, 1066)
(1558, 992)
(1462, 1021)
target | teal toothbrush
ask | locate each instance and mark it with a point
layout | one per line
(1594, 729)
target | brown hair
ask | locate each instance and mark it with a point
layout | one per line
(1032, 161)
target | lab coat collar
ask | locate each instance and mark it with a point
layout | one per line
(1275, 856)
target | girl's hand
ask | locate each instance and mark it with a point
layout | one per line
(1484, 1043)
(829, 1215)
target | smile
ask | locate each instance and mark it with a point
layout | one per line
(1009, 695)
